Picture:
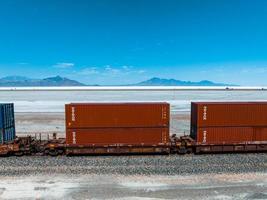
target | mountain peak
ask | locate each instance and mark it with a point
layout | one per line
(55, 78)
(60, 81)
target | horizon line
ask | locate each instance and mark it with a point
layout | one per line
(136, 88)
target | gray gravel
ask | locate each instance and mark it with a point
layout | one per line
(134, 165)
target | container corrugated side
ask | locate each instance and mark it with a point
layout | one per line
(115, 136)
(93, 115)
(7, 123)
(9, 134)
(211, 114)
(7, 118)
(230, 135)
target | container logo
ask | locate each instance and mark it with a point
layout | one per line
(205, 109)
(73, 137)
(204, 136)
(73, 114)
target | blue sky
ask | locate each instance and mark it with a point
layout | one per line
(127, 41)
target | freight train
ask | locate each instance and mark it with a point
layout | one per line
(143, 128)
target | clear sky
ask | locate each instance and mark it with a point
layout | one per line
(127, 41)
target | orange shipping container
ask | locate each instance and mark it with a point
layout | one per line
(215, 114)
(101, 115)
(122, 136)
(229, 135)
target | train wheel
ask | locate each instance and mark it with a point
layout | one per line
(182, 150)
(60, 152)
(53, 152)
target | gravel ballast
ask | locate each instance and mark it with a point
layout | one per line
(134, 165)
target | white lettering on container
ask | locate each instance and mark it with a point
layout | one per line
(205, 109)
(73, 137)
(204, 136)
(73, 114)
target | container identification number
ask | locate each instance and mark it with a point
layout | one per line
(205, 109)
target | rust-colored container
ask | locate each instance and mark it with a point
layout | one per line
(101, 115)
(230, 135)
(118, 136)
(216, 114)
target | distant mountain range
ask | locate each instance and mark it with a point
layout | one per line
(172, 82)
(20, 81)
